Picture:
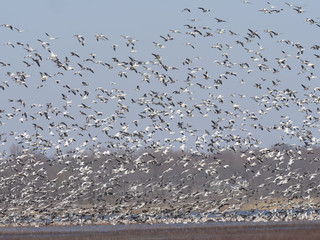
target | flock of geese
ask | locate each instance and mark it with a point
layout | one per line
(162, 141)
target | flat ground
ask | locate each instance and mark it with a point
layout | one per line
(293, 230)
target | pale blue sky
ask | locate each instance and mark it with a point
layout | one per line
(145, 21)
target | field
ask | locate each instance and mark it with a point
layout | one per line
(239, 231)
(279, 203)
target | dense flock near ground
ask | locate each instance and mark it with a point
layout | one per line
(211, 125)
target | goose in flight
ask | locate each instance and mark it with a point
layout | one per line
(204, 10)
(7, 26)
(50, 37)
(100, 36)
(219, 20)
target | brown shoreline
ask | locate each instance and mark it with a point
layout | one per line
(305, 230)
